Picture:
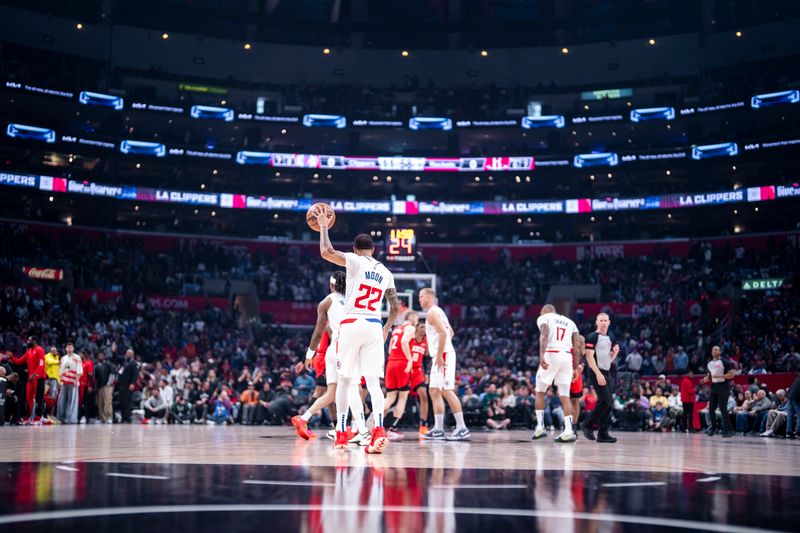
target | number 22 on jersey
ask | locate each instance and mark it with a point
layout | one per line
(372, 295)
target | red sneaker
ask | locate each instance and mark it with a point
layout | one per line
(341, 441)
(301, 428)
(351, 432)
(379, 441)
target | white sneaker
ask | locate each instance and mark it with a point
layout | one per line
(459, 434)
(767, 433)
(434, 434)
(567, 437)
(361, 439)
(540, 433)
(210, 423)
(109, 422)
(331, 434)
(83, 420)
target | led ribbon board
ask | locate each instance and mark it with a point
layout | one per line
(241, 201)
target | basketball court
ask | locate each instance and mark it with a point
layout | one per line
(161, 478)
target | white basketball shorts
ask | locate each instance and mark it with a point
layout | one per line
(558, 372)
(444, 378)
(359, 348)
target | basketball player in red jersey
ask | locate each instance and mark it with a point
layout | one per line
(398, 371)
(419, 347)
(34, 358)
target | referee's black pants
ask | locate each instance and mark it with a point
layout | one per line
(719, 400)
(602, 411)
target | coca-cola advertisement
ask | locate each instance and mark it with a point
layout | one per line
(47, 274)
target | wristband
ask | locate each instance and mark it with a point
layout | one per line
(310, 353)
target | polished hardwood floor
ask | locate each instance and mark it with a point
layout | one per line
(208, 478)
(269, 445)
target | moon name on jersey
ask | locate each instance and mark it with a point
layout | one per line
(374, 276)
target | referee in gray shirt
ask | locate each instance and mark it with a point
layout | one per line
(601, 350)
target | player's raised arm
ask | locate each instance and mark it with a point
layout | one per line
(326, 249)
(394, 308)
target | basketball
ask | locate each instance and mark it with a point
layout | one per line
(311, 219)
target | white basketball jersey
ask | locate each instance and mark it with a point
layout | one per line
(433, 335)
(335, 312)
(367, 282)
(559, 329)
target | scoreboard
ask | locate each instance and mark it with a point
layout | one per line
(401, 245)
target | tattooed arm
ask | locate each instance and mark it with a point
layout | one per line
(544, 333)
(394, 309)
(326, 249)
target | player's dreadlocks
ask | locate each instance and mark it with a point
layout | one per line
(339, 281)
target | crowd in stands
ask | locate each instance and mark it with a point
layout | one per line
(203, 368)
(291, 273)
(763, 338)
(206, 357)
(210, 366)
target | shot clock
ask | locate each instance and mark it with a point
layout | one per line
(401, 245)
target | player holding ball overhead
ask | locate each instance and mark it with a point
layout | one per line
(359, 350)
(311, 215)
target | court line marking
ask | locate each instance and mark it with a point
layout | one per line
(165, 509)
(479, 486)
(135, 476)
(292, 483)
(67, 468)
(709, 479)
(637, 484)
